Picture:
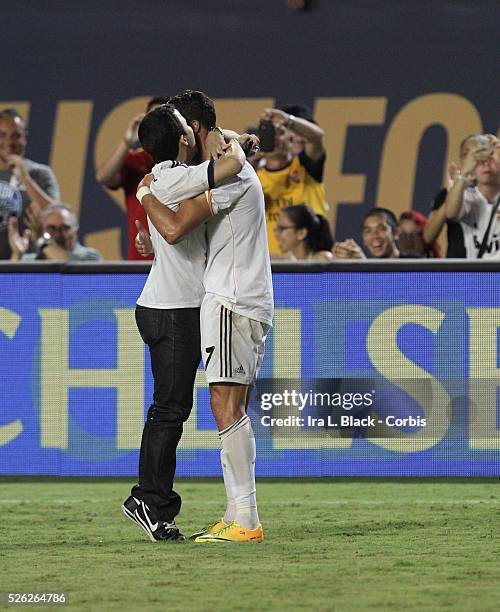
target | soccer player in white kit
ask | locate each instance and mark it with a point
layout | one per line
(168, 315)
(236, 315)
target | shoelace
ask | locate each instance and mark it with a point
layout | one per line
(225, 528)
(169, 525)
(210, 525)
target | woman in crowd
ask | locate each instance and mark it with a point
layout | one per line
(303, 235)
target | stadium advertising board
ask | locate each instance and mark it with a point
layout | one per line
(412, 356)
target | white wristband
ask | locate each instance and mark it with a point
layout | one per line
(141, 192)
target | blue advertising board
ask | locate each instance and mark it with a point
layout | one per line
(76, 379)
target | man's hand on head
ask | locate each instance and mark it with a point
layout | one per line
(234, 149)
(215, 144)
(250, 143)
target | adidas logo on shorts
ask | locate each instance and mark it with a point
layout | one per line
(239, 370)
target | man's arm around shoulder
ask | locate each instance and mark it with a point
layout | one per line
(173, 226)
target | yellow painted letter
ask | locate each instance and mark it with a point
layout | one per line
(57, 378)
(403, 373)
(9, 322)
(484, 378)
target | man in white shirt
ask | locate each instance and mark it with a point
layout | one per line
(475, 207)
(168, 315)
(236, 315)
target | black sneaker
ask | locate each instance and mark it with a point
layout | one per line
(168, 531)
(129, 506)
(137, 511)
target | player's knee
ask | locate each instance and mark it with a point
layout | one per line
(227, 418)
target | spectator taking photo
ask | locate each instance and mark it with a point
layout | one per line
(476, 208)
(291, 169)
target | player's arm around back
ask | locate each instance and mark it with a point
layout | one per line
(174, 226)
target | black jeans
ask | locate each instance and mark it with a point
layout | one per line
(173, 337)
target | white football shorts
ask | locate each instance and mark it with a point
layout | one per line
(232, 345)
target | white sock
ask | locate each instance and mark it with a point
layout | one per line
(231, 506)
(238, 447)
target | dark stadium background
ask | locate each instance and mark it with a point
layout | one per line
(106, 53)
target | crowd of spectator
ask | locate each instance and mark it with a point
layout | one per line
(290, 163)
(292, 174)
(26, 187)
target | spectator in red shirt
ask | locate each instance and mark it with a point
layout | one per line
(125, 168)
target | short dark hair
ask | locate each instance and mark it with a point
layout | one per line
(159, 133)
(387, 214)
(319, 236)
(196, 106)
(10, 113)
(156, 101)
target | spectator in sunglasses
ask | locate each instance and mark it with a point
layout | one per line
(56, 234)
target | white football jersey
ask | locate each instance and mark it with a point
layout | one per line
(238, 268)
(176, 276)
(477, 213)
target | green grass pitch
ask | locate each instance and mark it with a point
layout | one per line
(330, 545)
